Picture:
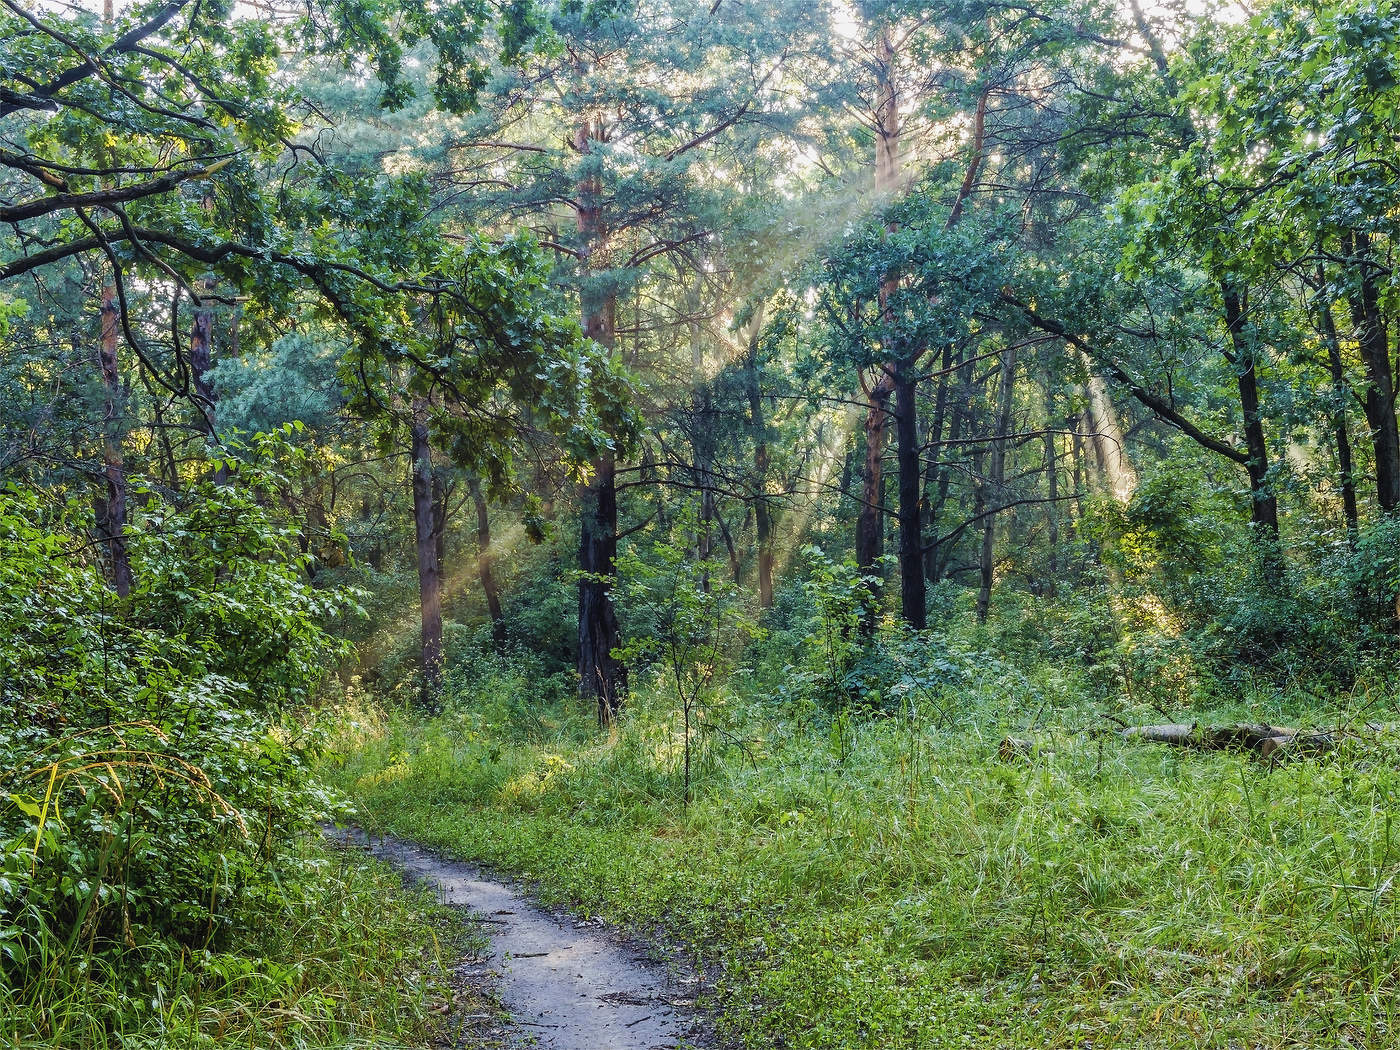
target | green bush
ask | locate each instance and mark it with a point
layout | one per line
(154, 776)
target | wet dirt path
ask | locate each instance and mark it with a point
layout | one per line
(568, 984)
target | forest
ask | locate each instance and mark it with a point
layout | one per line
(890, 507)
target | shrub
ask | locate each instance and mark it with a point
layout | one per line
(153, 775)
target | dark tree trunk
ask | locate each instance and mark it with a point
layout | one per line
(1340, 391)
(112, 509)
(484, 560)
(996, 477)
(1263, 502)
(1364, 299)
(602, 677)
(428, 545)
(912, 604)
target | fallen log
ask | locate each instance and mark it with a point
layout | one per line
(1266, 741)
(1012, 748)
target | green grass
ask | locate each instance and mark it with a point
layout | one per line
(341, 956)
(896, 885)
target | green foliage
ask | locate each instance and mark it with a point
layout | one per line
(686, 622)
(154, 778)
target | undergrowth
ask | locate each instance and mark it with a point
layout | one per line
(338, 954)
(888, 882)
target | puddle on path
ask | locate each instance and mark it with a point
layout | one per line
(567, 984)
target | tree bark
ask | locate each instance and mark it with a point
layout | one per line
(996, 477)
(1052, 492)
(957, 427)
(1340, 390)
(484, 560)
(912, 595)
(1263, 502)
(428, 546)
(602, 678)
(112, 509)
(869, 524)
(928, 510)
(1364, 299)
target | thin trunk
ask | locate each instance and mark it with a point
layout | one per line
(1076, 447)
(1364, 299)
(112, 510)
(1115, 469)
(1339, 421)
(1052, 491)
(484, 558)
(957, 426)
(427, 545)
(912, 603)
(758, 430)
(869, 530)
(996, 477)
(1263, 502)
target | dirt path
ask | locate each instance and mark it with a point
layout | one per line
(569, 985)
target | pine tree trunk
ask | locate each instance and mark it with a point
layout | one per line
(484, 560)
(428, 545)
(112, 509)
(602, 678)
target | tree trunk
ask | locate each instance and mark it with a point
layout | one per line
(957, 426)
(996, 477)
(932, 466)
(762, 513)
(428, 545)
(1364, 299)
(869, 524)
(111, 525)
(1263, 502)
(869, 532)
(912, 603)
(1340, 391)
(602, 678)
(1052, 492)
(484, 560)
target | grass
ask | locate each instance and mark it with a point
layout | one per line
(892, 884)
(341, 956)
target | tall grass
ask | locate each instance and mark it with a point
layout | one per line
(339, 956)
(891, 883)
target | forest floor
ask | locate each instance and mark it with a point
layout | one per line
(566, 982)
(892, 883)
